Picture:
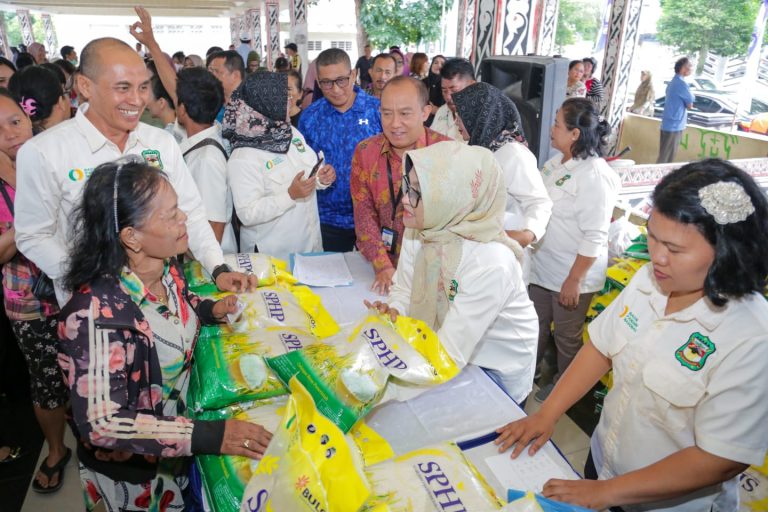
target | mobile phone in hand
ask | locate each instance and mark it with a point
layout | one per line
(317, 165)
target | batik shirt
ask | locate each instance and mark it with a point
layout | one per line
(337, 134)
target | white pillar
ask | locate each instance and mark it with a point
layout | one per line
(617, 63)
(272, 9)
(299, 33)
(5, 50)
(253, 17)
(516, 28)
(465, 28)
(545, 43)
(50, 35)
(26, 27)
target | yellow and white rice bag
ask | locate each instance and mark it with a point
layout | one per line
(231, 368)
(268, 270)
(309, 465)
(347, 374)
(434, 479)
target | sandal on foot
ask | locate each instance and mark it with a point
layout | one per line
(50, 472)
(14, 453)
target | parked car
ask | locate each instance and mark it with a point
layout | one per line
(716, 109)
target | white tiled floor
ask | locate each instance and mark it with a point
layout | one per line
(568, 437)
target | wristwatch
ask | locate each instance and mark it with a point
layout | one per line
(220, 269)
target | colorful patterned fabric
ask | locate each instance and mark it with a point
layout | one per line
(39, 342)
(18, 277)
(126, 385)
(337, 134)
(371, 196)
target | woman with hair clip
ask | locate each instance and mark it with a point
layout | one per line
(687, 340)
(33, 317)
(568, 264)
(127, 337)
(41, 95)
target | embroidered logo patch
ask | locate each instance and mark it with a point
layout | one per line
(152, 157)
(562, 180)
(453, 290)
(299, 145)
(272, 163)
(78, 174)
(630, 319)
(694, 353)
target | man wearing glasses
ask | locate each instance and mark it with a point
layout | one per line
(335, 125)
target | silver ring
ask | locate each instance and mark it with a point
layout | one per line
(246, 443)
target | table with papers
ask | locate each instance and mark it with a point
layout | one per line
(464, 410)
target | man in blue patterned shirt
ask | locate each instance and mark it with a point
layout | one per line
(335, 125)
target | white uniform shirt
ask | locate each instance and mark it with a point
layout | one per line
(583, 193)
(445, 122)
(528, 203)
(491, 322)
(208, 167)
(667, 397)
(273, 221)
(52, 169)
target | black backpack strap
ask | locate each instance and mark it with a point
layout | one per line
(207, 142)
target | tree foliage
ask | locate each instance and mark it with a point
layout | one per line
(13, 28)
(723, 27)
(402, 22)
(577, 20)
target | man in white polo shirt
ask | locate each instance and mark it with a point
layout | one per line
(54, 166)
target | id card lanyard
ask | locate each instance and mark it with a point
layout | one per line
(395, 200)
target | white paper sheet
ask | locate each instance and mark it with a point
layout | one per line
(526, 473)
(322, 270)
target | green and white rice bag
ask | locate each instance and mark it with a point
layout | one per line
(268, 270)
(231, 368)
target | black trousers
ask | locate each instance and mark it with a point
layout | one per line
(337, 239)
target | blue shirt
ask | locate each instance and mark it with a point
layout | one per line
(675, 105)
(337, 134)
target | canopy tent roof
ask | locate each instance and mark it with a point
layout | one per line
(201, 8)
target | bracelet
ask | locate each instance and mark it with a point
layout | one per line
(220, 269)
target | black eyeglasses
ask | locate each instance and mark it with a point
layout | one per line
(341, 82)
(414, 196)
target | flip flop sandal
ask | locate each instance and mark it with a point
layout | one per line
(50, 472)
(14, 453)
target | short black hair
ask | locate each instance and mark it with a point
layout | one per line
(7, 63)
(457, 67)
(292, 73)
(574, 63)
(66, 50)
(201, 94)
(232, 61)
(680, 63)
(593, 132)
(740, 266)
(40, 84)
(159, 92)
(383, 56)
(66, 66)
(333, 56)
(281, 64)
(56, 70)
(97, 251)
(421, 89)
(212, 50)
(178, 56)
(591, 60)
(24, 59)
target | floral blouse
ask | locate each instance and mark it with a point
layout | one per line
(126, 357)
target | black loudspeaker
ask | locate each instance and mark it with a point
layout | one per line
(537, 86)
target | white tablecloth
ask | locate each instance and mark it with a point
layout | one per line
(466, 407)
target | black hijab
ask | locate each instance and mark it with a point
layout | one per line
(490, 117)
(255, 116)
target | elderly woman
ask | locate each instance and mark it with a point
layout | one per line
(688, 343)
(126, 338)
(458, 270)
(645, 96)
(488, 118)
(270, 170)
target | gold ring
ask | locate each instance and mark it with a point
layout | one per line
(245, 443)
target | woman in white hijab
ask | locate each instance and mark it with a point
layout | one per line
(458, 270)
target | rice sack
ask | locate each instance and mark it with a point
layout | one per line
(225, 476)
(433, 479)
(309, 464)
(231, 368)
(347, 374)
(277, 306)
(268, 270)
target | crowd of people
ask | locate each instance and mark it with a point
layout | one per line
(427, 173)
